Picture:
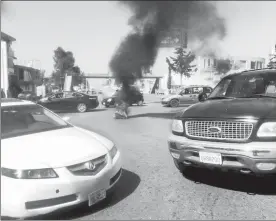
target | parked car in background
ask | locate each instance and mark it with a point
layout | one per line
(233, 129)
(63, 101)
(136, 97)
(186, 96)
(28, 95)
(48, 164)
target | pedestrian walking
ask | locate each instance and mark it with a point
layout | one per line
(3, 95)
(100, 99)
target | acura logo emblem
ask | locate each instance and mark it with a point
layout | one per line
(214, 130)
(90, 166)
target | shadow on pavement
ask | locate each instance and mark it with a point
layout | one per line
(127, 184)
(75, 112)
(233, 181)
(166, 115)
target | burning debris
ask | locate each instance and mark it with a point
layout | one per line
(150, 20)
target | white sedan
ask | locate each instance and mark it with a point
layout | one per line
(48, 164)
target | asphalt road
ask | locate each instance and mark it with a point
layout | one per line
(152, 188)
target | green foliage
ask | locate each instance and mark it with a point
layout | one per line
(223, 66)
(182, 62)
(63, 60)
(64, 63)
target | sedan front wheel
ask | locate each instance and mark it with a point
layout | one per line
(174, 103)
(81, 108)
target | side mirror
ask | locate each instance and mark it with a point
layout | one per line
(202, 97)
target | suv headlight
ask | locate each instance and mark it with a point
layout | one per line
(109, 100)
(113, 152)
(29, 174)
(177, 126)
(267, 129)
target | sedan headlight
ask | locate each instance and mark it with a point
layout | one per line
(177, 126)
(113, 152)
(89, 168)
(29, 174)
(109, 99)
(267, 129)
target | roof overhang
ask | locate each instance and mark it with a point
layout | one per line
(7, 38)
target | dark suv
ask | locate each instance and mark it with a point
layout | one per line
(234, 128)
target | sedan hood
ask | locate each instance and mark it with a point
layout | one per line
(233, 108)
(57, 148)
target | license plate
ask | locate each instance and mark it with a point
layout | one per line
(95, 197)
(210, 158)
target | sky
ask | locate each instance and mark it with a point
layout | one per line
(92, 30)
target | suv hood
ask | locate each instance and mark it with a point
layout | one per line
(233, 108)
(57, 148)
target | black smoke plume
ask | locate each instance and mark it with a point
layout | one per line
(150, 20)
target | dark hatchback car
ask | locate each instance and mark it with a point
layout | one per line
(64, 101)
(233, 129)
(136, 97)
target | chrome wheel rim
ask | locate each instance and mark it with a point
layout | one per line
(81, 107)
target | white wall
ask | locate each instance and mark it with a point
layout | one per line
(4, 67)
(160, 68)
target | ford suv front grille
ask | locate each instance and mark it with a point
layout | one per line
(219, 130)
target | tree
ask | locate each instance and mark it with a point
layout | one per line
(223, 66)
(64, 61)
(170, 67)
(182, 63)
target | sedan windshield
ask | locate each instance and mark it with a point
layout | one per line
(251, 85)
(28, 119)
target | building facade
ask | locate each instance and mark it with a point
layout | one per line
(205, 72)
(7, 61)
(207, 66)
(272, 55)
(28, 78)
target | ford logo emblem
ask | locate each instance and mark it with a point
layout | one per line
(215, 130)
(90, 166)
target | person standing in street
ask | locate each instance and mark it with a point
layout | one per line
(100, 99)
(3, 95)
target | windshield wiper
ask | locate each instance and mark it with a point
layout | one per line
(259, 95)
(220, 97)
